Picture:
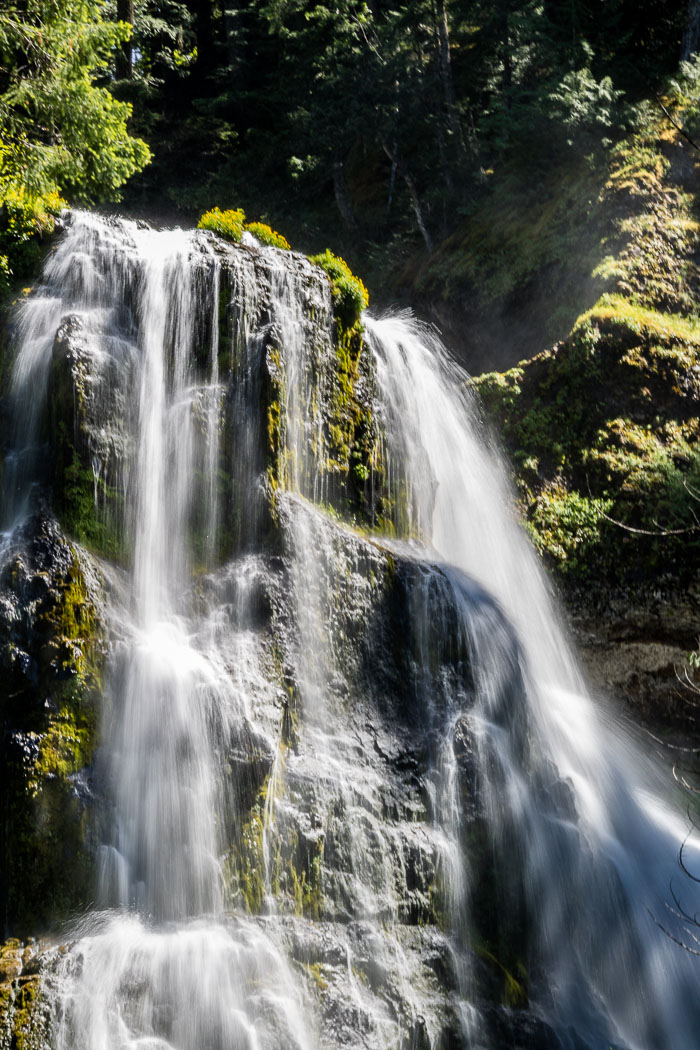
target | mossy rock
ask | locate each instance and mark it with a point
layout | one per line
(52, 656)
(88, 506)
(294, 862)
(603, 432)
(25, 1012)
(350, 297)
(346, 453)
(603, 427)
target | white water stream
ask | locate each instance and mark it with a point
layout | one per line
(575, 815)
(597, 869)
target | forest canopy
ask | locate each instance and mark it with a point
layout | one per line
(378, 118)
(370, 126)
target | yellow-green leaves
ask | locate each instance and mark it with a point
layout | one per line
(350, 297)
(227, 224)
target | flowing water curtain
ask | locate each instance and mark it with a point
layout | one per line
(568, 802)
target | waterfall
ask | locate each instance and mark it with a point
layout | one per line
(350, 789)
(576, 805)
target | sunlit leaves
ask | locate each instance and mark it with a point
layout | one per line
(63, 132)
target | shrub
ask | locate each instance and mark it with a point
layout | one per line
(263, 233)
(350, 297)
(227, 224)
(566, 528)
(24, 219)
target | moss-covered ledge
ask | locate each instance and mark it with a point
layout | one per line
(603, 434)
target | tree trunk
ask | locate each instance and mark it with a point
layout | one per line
(413, 193)
(690, 44)
(341, 195)
(448, 88)
(506, 57)
(415, 201)
(204, 29)
(124, 58)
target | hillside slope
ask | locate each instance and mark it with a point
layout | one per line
(602, 428)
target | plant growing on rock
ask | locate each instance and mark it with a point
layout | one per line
(350, 297)
(228, 224)
(266, 235)
(231, 224)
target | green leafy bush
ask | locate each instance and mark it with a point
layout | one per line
(263, 233)
(579, 100)
(24, 220)
(350, 297)
(60, 129)
(566, 528)
(227, 224)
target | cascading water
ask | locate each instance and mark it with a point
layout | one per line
(351, 791)
(575, 807)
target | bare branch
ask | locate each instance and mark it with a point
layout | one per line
(680, 779)
(676, 125)
(676, 940)
(683, 845)
(650, 532)
(682, 913)
(671, 747)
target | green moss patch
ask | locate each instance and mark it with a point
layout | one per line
(266, 235)
(231, 224)
(350, 297)
(633, 319)
(52, 662)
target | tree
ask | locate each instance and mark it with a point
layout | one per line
(62, 131)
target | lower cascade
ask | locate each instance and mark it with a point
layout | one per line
(313, 738)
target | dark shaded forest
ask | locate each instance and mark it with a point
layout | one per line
(380, 129)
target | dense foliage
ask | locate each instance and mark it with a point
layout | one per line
(381, 128)
(62, 132)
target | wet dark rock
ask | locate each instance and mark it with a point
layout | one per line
(51, 658)
(521, 1030)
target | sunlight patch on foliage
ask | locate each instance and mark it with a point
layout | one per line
(350, 297)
